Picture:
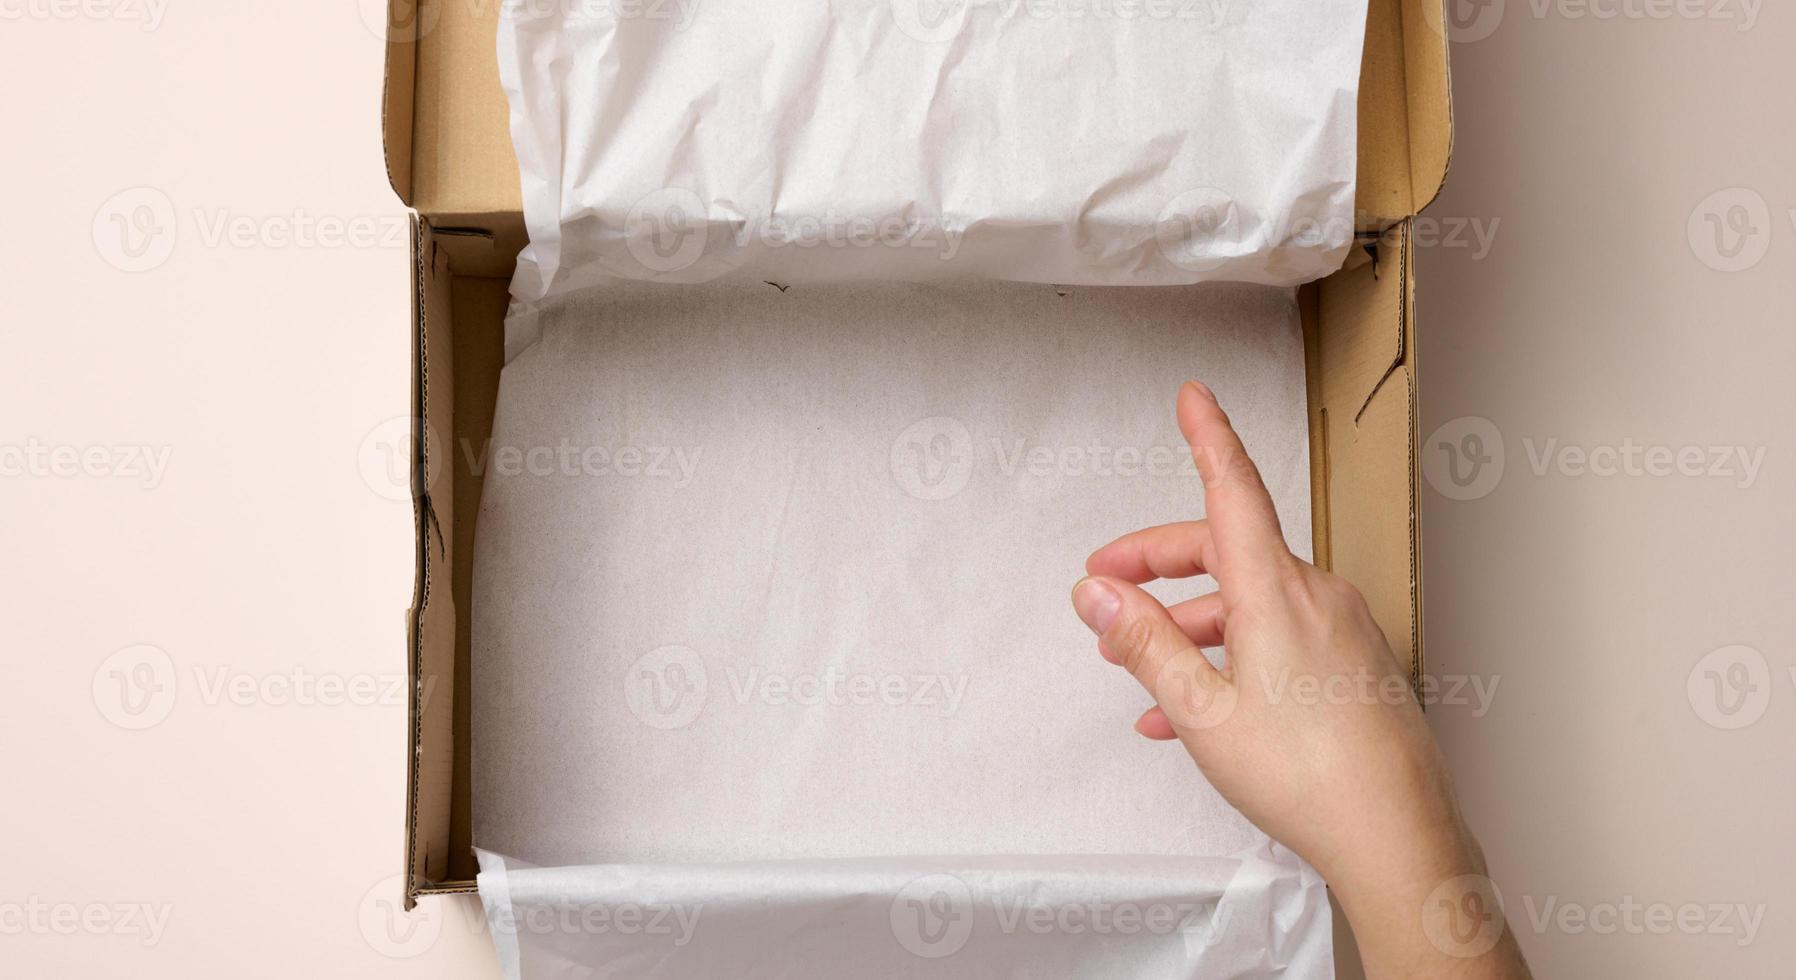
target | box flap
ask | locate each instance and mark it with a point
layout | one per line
(1359, 326)
(396, 96)
(448, 140)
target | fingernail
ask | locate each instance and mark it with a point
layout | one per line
(1202, 389)
(1096, 603)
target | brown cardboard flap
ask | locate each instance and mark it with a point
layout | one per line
(1405, 111)
(397, 96)
(434, 687)
(449, 142)
(1359, 332)
(1428, 88)
(462, 137)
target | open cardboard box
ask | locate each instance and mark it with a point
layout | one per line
(449, 157)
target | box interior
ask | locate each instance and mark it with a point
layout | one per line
(665, 637)
(445, 125)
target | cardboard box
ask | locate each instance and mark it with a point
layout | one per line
(449, 157)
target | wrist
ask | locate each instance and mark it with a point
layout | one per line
(1431, 911)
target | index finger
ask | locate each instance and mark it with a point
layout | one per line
(1243, 525)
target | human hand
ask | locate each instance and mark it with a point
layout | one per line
(1310, 728)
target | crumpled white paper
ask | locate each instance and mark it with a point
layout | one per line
(1260, 913)
(770, 615)
(1127, 142)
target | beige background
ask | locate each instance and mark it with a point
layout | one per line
(267, 565)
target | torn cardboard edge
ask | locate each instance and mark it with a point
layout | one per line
(442, 96)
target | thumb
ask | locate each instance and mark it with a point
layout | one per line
(1137, 633)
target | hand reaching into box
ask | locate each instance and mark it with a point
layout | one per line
(1310, 728)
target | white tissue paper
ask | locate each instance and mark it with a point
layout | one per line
(1126, 142)
(775, 673)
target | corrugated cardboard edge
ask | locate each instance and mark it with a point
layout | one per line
(430, 757)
